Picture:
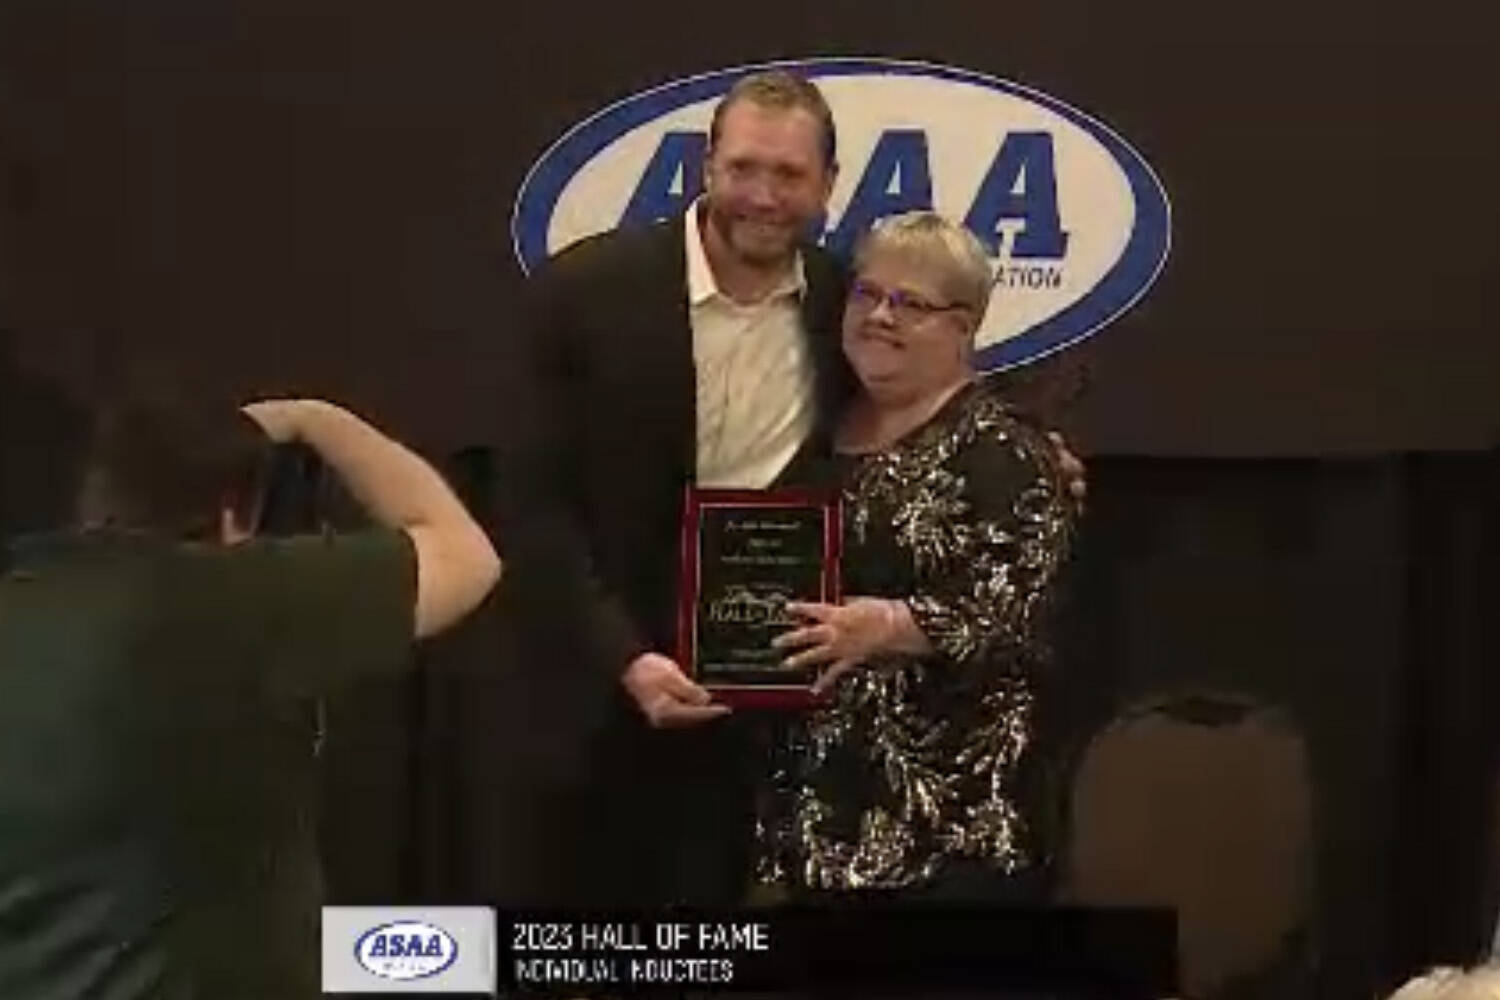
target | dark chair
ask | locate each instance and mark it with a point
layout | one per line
(1202, 804)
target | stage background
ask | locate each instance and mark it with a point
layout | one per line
(1293, 488)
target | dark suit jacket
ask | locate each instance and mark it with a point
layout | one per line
(590, 494)
(593, 494)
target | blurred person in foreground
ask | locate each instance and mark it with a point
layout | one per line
(157, 771)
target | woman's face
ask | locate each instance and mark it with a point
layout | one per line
(903, 333)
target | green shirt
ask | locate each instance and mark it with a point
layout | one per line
(156, 763)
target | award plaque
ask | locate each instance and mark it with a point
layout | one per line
(745, 554)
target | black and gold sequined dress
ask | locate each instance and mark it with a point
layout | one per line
(920, 762)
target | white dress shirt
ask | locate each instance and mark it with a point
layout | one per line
(754, 375)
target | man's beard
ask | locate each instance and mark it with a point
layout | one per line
(760, 253)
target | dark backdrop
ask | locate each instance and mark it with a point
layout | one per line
(269, 190)
(1292, 488)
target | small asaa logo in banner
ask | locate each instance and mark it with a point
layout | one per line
(406, 949)
(1076, 222)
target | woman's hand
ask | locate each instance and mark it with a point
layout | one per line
(846, 635)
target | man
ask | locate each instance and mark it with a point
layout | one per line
(156, 771)
(703, 350)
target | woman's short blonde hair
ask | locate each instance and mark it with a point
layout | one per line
(936, 242)
(1453, 984)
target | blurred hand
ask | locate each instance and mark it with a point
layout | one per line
(666, 696)
(1071, 467)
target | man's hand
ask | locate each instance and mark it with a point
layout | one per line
(1072, 469)
(278, 418)
(666, 696)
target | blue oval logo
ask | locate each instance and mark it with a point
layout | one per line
(1076, 222)
(406, 950)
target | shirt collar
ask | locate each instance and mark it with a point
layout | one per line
(700, 277)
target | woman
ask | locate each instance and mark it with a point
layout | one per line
(915, 773)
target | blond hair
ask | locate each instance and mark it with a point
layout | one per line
(780, 90)
(938, 243)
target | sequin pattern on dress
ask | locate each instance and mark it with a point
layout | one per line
(912, 762)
